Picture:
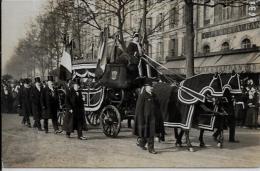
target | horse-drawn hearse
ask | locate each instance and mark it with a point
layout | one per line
(110, 97)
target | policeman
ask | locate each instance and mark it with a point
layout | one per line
(50, 105)
(146, 118)
(36, 92)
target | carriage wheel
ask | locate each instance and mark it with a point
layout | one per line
(93, 118)
(110, 120)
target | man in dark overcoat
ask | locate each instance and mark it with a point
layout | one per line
(134, 50)
(50, 105)
(19, 98)
(25, 102)
(36, 92)
(227, 104)
(146, 118)
(75, 118)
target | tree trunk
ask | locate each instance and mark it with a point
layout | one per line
(189, 40)
(145, 41)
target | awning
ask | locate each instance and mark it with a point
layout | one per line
(243, 62)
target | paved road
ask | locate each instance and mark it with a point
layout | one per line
(26, 147)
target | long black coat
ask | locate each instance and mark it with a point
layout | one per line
(25, 101)
(76, 120)
(36, 103)
(50, 103)
(132, 48)
(19, 99)
(148, 119)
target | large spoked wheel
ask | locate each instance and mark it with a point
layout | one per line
(93, 118)
(110, 120)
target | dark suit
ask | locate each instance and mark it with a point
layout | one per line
(25, 103)
(77, 122)
(148, 121)
(50, 105)
(36, 105)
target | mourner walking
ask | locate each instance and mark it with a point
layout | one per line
(50, 105)
(25, 102)
(146, 118)
(75, 117)
(36, 92)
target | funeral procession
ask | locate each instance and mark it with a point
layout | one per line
(130, 84)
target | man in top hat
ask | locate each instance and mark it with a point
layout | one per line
(147, 119)
(36, 92)
(75, 119)
(134, 51)
(25, 102)
(50, 105)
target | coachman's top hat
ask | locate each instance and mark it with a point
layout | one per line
(50, 78)
(37, 79)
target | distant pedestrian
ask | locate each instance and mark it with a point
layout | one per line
(6, 98)
(251, 105)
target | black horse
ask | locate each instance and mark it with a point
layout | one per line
(231, 85)
(177, 103)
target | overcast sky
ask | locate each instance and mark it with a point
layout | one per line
(16, 16)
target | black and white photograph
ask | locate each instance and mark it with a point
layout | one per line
(130, 84)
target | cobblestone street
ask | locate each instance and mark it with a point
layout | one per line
(25, 148)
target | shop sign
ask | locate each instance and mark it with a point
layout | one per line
(234, 29)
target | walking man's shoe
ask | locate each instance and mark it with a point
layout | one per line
(141, 146)
(58, 131)
(83, 138)
(152, 151)
(40, 129)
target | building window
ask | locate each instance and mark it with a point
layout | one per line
(150, 51)
(242, 11)
(160, 51)
(225, 46)
(246, 43)
(173, 48)
(223, 13)
(149, 25)
(173, 17)
(206, 16)
(206, 49)
(160, 22)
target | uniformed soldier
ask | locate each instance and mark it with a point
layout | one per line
(75, 119)
(50, 105)
(36, 92)
(25, 102)
(146, 118)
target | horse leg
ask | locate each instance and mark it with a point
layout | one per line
(202, 144)
(178, 137)
(220, 139)
(190, 148)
